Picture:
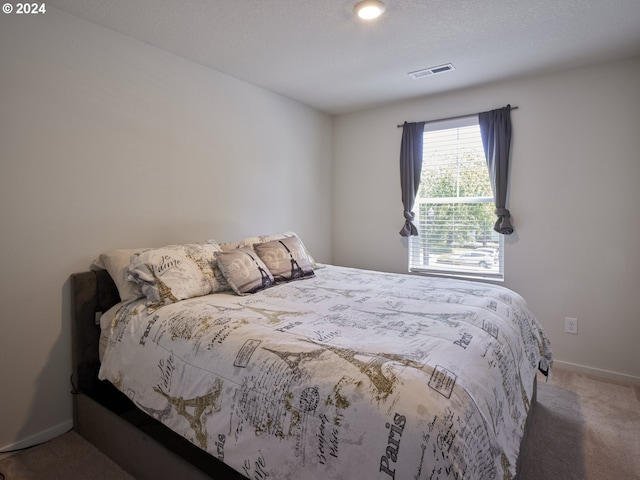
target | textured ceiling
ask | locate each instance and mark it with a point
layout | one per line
(319, 53)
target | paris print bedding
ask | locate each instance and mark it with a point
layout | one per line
(350, 374)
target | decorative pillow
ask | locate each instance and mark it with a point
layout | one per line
(251, 241)
(175, 272)
(286, 259)
(244, 270)
(116, 263)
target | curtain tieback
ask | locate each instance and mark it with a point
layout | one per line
(409, 229)
(503, 224)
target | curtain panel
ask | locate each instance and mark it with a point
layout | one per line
(410, 170)
(495, 130)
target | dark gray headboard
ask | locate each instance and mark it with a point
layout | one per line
(92, 292)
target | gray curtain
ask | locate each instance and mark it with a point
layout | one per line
(495, 129)
(410, 170)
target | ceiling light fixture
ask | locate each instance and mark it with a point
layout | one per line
(369, 9)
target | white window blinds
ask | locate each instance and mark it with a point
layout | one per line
(455, 207)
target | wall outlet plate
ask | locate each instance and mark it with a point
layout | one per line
(571, 325)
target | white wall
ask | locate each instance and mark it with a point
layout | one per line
(575, 200)
(106, 142)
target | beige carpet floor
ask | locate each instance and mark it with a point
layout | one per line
(67, 457)
(584, 428)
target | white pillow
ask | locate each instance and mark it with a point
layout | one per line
(116, 263)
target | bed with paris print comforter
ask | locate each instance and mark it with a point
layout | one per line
(349, 374)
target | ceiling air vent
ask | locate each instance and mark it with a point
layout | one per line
(425, 72)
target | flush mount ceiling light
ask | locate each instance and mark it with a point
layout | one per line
(369, 9)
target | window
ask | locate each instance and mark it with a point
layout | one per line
(455, 207)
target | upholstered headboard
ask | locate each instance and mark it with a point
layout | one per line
(92, 292)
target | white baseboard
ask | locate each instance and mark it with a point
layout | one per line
(598, 372)
(38, 438)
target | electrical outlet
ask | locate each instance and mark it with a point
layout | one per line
(571, 325)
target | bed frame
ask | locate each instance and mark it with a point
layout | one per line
(109, 420)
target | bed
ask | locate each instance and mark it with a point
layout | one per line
(299, 370)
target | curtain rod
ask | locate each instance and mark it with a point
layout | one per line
(453, 118)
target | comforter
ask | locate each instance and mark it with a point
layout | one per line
(350, 374)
